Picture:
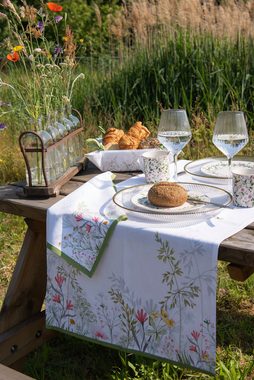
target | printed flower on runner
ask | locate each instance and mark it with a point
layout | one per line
(69, 305)
(88, 228)
(59, 279)
(100, 334)
(195, 334)
(193, 348)
(56, 298)
(78, 217)
(141, 316)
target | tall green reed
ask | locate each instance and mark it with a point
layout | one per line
(200, 73)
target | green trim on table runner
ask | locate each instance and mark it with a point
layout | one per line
(104, 245)
(128, 350)
(113, 176)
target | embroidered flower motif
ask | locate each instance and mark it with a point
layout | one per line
(88, 228)
(169, 322)
(100, 334)
(78, 217)
(56, 298)
(141, 316)
(195, 335)
(193, 348)
(96, 219)
(59, 280)
(72, 322)
(69, 305)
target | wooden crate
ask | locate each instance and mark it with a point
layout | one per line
(48, 189)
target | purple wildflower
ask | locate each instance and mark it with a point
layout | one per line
(58, 50)
(2, 126)
(58, 18)
(40, 26)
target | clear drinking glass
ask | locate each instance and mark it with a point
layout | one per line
(230, 134)
(174, 133)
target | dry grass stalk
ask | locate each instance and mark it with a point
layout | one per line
(69, 45)
(139, 17)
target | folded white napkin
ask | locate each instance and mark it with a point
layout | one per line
(76, 229)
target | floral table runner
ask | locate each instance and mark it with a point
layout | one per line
(154, 289)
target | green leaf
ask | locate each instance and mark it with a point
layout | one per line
(94, 144)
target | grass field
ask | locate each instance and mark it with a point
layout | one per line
(202, 73)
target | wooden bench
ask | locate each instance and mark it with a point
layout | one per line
(7, 373)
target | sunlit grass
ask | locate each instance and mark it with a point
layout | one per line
(203, 75)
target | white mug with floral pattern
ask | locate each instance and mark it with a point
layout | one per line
(243, 187)
(156, 166)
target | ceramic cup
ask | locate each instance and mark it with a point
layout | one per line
(243, 187)
(155, 166)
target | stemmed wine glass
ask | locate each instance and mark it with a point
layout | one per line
(174, 133)
(230, 134)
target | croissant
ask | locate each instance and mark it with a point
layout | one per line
(128, 142)
(112, 136)
(139, 131)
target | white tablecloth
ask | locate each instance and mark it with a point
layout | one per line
(154, 287)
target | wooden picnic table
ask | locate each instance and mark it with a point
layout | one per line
(22, 318)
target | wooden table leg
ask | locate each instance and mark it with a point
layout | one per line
(22, 323)
(239, 272)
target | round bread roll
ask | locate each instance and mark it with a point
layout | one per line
(167, 194)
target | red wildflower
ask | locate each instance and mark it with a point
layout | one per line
(69, 305)
(54, 7)
(56, 298)
(88, 228)
(59, 279)
(13, 56)
(193, 348)
(141, 316)
(195, 334)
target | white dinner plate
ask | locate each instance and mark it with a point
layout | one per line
(123, 199)
(213, 169)
(220, 168)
